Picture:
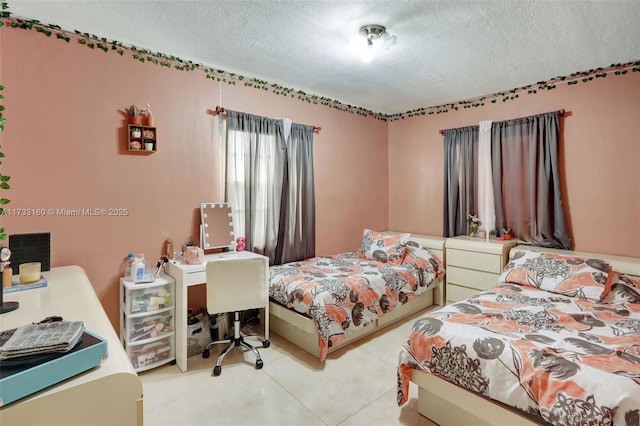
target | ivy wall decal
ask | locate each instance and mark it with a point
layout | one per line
(92, 41)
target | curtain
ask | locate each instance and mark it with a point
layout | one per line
(486, 205)
(298, 210)
(460, 195)
(269, 184)
(526, 180)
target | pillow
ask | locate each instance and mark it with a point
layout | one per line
(621, 288)
(425, 260)
(580, 277)
(384, 248)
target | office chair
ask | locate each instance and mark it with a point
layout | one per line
(235, 285)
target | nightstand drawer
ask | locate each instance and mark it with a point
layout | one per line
(194, 278)
(474, 260)
(472, 279)
(456, 293)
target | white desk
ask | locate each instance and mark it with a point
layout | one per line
(187, 275)
(110, 394)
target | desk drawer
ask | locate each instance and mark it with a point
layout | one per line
(474, 260)
(472, 279)
(199, 277)
(456, 293)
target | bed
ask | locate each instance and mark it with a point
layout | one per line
(324, 303)
(556, 341)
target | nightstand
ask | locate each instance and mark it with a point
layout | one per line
(473, 265)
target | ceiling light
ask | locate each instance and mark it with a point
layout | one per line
(376, 37)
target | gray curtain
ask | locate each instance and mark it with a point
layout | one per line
(460, 193)
(269, 183)
(298, 211)
(526, 181)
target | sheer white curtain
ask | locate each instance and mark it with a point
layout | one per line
(486, 205)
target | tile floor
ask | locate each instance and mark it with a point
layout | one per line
(355, 385)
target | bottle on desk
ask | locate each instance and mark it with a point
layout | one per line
(169, 250)
(7, 276)
(137, 269)
(127, 266)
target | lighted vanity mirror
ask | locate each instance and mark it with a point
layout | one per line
(216, 229)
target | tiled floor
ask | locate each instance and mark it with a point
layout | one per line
(354, 386)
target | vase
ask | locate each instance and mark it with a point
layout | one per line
(473, 231)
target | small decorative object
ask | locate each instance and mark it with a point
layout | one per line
(241, 244)
(493, 233)
(134, 114)
(136, 132)
(506, 232)
(482, 233)
(135, 145)
(473, 222)
(148, 145)
(149, 115)
(193, 255)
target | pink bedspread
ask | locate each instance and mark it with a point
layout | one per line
(566, 360)
(345, 292)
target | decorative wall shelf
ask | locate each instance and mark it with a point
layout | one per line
(141, 139)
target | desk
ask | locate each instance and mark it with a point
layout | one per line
(110, 394)
(187, 275)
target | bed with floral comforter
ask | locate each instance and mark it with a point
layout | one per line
(557, 337)
(346, 292)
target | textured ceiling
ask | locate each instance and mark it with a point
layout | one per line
(446, 51)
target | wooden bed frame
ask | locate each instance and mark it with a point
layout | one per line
(448, 404)
(301, 330)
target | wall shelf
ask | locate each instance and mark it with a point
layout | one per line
(138, 137)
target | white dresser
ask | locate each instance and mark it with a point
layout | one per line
(473, 265)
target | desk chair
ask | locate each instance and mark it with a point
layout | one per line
(235, 285)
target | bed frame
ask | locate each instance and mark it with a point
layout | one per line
(448, 404)
(301, 330)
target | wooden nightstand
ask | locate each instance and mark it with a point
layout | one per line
(473, 265)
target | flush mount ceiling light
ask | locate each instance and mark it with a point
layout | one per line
(376, 37)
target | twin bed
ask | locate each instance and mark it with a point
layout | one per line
(556, 341)
(325, 303)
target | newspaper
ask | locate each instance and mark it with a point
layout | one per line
(42, 338)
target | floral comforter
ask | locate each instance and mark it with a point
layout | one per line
(346, 292)
(566, 360)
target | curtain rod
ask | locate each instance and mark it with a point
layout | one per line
(560, 113)
(221, 111)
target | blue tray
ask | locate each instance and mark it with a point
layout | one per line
(22, 377)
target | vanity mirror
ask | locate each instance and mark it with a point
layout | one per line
(216, 229)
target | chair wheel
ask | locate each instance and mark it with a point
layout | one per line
(205, 353)
(217, 370)
(266, 343)
(259, 364)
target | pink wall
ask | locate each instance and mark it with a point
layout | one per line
(65, 147)
(599, 150)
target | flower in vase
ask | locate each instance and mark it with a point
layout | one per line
(473, 222)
